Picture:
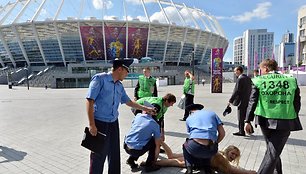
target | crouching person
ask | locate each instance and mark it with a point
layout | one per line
(144, 136)
(205, 132)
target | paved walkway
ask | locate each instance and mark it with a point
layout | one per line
(41, 130)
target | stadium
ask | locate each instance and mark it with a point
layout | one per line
(62, 43)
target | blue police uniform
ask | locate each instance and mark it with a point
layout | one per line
(107, 95)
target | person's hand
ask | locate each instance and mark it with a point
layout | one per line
(151, 111)
(93, 130)
(248, 128)
(135, 98)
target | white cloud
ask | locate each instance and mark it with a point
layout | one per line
(260, 12)
(100, 4)
(139, 2)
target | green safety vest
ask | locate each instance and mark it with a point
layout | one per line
(146, 86)
(155, 100)
(276, 95)
(188, 86)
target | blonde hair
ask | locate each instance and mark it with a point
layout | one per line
(231, 148)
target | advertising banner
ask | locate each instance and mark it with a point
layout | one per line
(92, 39)
(216, 70)
(115, 39)
(137, 42)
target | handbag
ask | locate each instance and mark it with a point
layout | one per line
(181, 103)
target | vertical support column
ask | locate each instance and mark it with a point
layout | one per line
(7, 49)
(149, 29)
(24, 53)
(205, 49)
(60, 43)
(182, 46)
(38, 43)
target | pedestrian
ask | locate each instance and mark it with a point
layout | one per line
(275, 101)
(105, 93)
(146, 85)
(203, 82)
(255, 73)
(188, 91)
(205, 131)
(144, 136)
(240, 98)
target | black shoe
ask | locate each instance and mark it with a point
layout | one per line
(239, 134)
(189, 170)
(131, 163)
(152, 168)
(183, 119)
(162, 151)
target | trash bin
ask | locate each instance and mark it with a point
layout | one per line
(10, 85)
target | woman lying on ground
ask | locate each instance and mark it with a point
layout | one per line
(226, 161)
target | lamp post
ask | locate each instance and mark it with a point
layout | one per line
(27, 74)
(192, 61)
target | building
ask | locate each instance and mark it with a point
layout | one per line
(301, 36)
(59, 33)
(238, 53)
(285, 51)
(257, 44)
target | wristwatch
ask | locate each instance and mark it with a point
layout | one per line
(245, 121)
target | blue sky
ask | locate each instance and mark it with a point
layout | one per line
(235, 16)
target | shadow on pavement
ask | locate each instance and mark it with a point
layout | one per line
(11, 154)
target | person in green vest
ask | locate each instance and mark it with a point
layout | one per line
(163, 103)
(146, 85)
(275, 101)
(188, 91)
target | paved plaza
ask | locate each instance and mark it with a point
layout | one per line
(41, 131)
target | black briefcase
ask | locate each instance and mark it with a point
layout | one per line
(93, 143)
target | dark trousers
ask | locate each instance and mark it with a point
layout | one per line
(149, 147)
(198, 155)
(275, 142)
(241, 114)
(111, 149)
(189, 101)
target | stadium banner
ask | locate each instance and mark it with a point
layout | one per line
(115, 39)
(92, 39)
(216, 70)
(137, 42)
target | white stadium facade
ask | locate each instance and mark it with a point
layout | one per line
(89, 33)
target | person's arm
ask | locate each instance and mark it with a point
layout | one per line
(297, 101)
(157, 148)
(221, 133)
(191, 76)
(135, 105)
(136, 97)
(240, 170)
(235, 92)
(251, 109)
(90, 114)
(155, 90)
(169, 152)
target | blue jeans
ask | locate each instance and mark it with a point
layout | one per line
(111, 149)
(198, 155)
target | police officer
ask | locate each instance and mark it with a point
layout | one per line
(163, 103)
(275, 101)
(104, 96)
(146, 86)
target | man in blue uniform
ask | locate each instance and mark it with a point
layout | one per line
(105, 94)
(143, 137)
(205, 132)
